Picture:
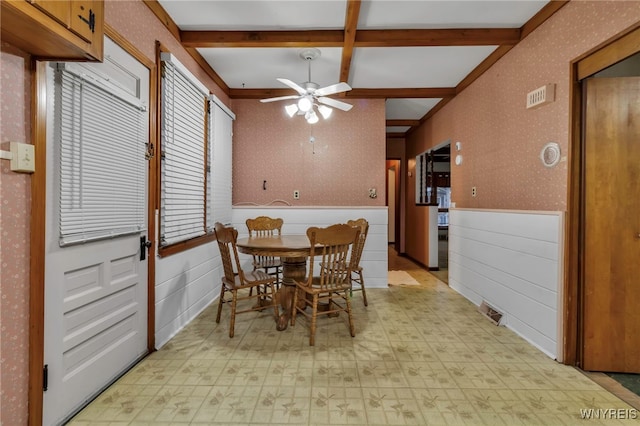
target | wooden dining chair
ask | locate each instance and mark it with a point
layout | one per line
(263, 226)
(236, 279)
(329, 256)
(356, 269)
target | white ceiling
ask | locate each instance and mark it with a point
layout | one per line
(406, 65)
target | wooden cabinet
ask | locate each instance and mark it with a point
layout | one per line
(64, 29)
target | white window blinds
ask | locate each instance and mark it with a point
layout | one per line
(182, 200)
(220, 158)
(102, 135)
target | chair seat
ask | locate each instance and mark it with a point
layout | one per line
(252, 278)
(315, 286)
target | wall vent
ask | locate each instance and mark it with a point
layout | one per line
(492, 314)
(541, 96)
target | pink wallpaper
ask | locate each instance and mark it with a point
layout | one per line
(15, 205)
(501, 140)
(346, 159)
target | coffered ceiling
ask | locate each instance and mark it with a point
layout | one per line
(416, 54)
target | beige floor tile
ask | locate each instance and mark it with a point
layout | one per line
(422, 355)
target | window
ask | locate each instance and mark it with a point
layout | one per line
(220, 160)
(102, 166)
(183, 170)
(196, 148)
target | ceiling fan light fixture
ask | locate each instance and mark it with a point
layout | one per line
(325, 111)
(311, 96)
(305, 103)
(291, 109)
(312, 117)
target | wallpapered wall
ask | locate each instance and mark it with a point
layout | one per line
(501, 140)
(346, 159)
(15, 208)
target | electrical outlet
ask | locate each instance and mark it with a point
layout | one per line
(474, 192)
(296, 195)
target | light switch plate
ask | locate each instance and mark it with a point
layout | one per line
(22, 157)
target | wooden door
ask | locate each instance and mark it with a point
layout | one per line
(611, 303)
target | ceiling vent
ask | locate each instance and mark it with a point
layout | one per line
(541, 96)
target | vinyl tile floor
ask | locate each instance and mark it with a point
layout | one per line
(422, 355)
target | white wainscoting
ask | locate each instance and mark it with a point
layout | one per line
(297, 219)
(513, 261)
(186, 283)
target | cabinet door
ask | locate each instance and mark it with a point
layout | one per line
(58, 10)
(83, 18)
(55, 29)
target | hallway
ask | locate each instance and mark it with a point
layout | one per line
(421, 355)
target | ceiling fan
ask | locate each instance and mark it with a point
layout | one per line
(310, 95)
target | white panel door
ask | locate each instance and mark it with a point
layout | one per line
(95, 292)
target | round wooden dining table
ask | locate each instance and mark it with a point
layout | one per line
(293, 251)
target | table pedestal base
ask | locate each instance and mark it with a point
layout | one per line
(293, 268)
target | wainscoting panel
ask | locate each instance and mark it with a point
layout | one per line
(298, 219)
(513, 261)
(186, 283)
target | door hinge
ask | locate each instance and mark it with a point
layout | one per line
(45, 377)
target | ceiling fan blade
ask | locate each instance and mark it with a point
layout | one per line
(294, 86)
(335, 103)
(333, 89)
(280, 98)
